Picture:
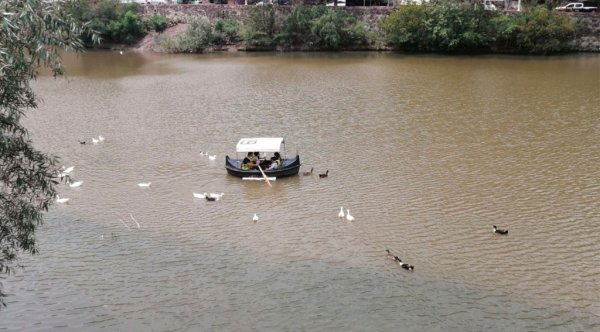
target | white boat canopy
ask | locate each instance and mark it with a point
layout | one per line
(260, 144)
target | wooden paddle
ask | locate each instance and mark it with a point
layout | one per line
(264, 175)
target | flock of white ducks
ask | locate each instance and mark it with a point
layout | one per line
(347, 215)
(65, 172)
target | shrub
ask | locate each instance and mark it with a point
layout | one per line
(195, 39)
(338, 28)
(446, 26)
(537, 31)
(296, 27)
(542, 31)
(114, 21)
(260, 27)
(405, 28)
(322, 28)
(454, 27)
(457, 27)
(127, 29)
(226, 31)
(158, 23)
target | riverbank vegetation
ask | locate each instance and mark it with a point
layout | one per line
(445, 26)
(115, 22)
(451, 26)
(304, 28)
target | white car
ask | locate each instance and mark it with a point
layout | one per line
(341, 3)
(576, 7)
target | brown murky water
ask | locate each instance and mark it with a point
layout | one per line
(427, 152)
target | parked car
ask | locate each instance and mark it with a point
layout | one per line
(145, 2)
(340, 3)
(576, 7)
(413, 2)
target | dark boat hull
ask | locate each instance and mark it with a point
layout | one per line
(289, 167)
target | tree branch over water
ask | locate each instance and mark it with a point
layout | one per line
(32, 35)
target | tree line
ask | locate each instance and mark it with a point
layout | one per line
(446, 26)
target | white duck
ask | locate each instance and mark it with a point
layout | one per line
(100, 138)
(215, 195)
(213, 157)
(61, 200)
(74, 184)
(144, 184)
(95, 140)
(255, 218)
(348, 216)
(341, 213)
(68, 170)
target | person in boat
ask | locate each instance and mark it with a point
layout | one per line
(275, 161)
(255, 159)
(248, 162)
(264, 162)
(258, 161)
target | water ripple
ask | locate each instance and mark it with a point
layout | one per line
(426, 172)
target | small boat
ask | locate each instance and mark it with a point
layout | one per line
(264, 145)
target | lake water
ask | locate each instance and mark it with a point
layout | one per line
(427, 152)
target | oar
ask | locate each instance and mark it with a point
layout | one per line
(264, 175)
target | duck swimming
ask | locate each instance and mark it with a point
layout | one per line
(218, 196)
(348, 216)
(403, 265)
(399, 261)
(324, 175)
(308, 173)
(500, 231)
(74, 184)
(61, 200)
(388, 254)
(68, 170)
